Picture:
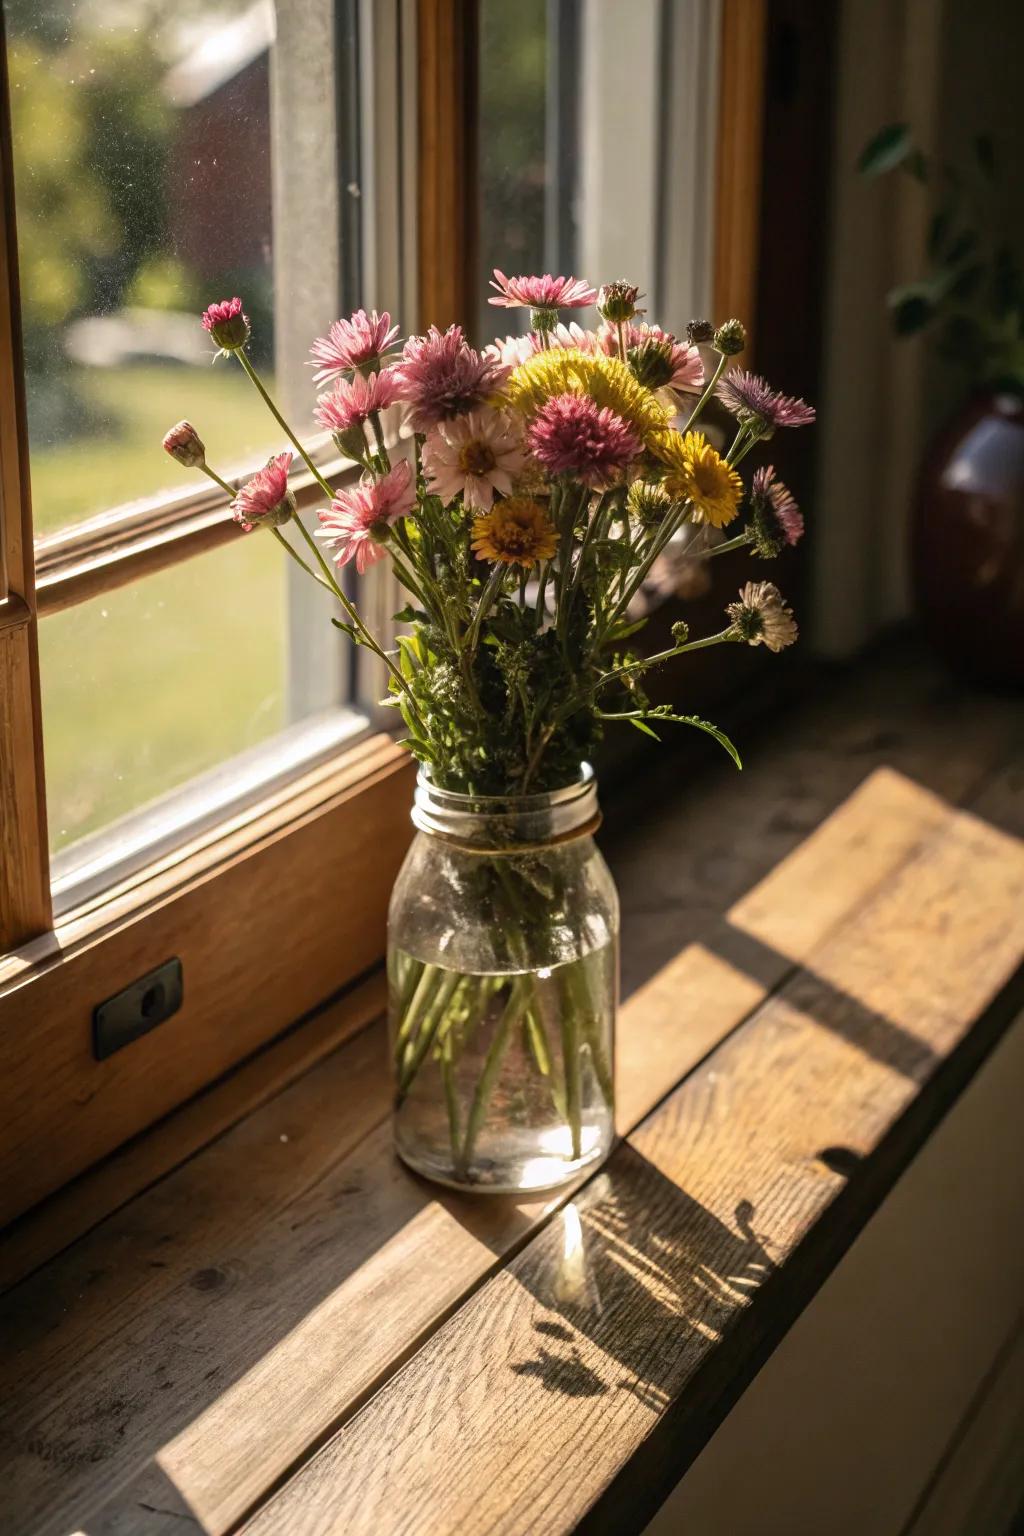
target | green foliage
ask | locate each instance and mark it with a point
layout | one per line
(973, 295)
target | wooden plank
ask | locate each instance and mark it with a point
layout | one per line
(447, 108)
(618, 1337)
(83, 1204)
(352, 1265)
(61, 1110)
(738, 161)
(24, 852)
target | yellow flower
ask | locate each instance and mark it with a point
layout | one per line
(516, 531)
(697, 473)
(608, 382)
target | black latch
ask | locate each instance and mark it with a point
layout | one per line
(137, 1010)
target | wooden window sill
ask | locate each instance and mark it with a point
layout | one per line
(289, 1334)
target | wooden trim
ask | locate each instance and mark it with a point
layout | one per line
(267, 922)
(24, 860)
(739, 159)
(84, 1202)
(110, 551)
(447, 43)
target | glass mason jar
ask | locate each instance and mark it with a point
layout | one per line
(503, 983)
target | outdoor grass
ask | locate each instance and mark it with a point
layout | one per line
(150, 684)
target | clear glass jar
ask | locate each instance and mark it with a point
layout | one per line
(503, 983)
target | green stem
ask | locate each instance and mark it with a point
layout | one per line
(491, 1069)
(285, 428)
(571, 1069)
(229, 490)
(708, 392)
(723, 549)
(494, 581)
(279, 536)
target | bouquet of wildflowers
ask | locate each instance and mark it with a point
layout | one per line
(531, 490)
(547, 474)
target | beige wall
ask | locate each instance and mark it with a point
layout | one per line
(843, 1429)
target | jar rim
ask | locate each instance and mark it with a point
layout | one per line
(494, 822)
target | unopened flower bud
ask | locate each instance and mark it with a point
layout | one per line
(680, 632)
(647, 501)
(652, 363)
(730, 338)
(616, 302)
(184, 444)
(698, 331)
(226, 323)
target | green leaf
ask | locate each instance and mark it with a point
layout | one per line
(709, 730)
(347, 629)
(642, 725)
(624, 629)
(912, 308)
(889, 148)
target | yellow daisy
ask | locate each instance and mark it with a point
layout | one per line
(607, 381)
(697, 473)
(516, 531)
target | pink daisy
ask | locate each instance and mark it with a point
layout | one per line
(572, 435)
(474, 455)
(352, 343)
(226, 323)
(351, 401)
(545, 292)
(265, 501)
(356, 524)
(657, 358)
(440, 376)
(755, 404)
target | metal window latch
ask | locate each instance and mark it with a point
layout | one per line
(149, 1001)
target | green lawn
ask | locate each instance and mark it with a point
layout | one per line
(153, 683)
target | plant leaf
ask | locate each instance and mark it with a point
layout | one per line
(889, 148)
(642, 725)
(709, 730)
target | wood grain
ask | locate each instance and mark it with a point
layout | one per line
(321, 1275)
(616, 1339)
(738, 161)
(447, 187)
(24, 856)
(253, 962)
(83, 1204)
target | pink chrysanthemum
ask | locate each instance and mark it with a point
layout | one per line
(226, 323)
(351, 401)
(264, 500)
(353, 343)
(356, 525)
(776, 520)
(545, 292)
(441, 376)
(572, 435)
(657, 358)
(756, 405)
(474, 455)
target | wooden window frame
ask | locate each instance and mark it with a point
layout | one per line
(259, 947)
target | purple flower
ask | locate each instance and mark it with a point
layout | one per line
(440, 376)
(776, 519)
(756, 405)
(572, 435)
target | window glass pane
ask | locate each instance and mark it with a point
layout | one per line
(149, 685)
(143, 183)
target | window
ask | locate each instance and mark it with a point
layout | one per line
(193, 798)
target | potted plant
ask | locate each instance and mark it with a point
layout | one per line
(968, 527)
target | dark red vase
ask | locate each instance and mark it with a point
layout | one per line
(968, 540)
